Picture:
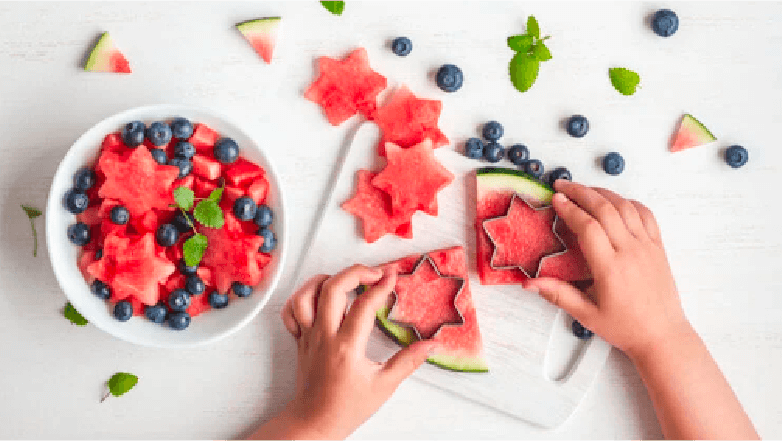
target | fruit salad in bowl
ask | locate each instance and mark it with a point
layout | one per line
(166, 226)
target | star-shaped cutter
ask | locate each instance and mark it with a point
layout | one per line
(542, 259)
(462, 283)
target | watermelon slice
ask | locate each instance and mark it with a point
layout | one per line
(105, 57)
(373, 207)
(262, 35)
(691, 133)
(496, 188)
(460, 347)
(407, 120)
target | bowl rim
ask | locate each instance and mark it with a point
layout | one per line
(171, 109)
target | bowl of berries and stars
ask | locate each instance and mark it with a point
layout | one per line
(166, 226)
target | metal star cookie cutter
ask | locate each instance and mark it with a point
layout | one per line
(542, 259)
(462, 283)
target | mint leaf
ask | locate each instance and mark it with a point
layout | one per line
(184, 197)
(520, 43)
(216, 195)
(32, 213)
(625, 81)
(335, 8)
(120, 383)
(540, 52)
(209, 214)
(523, 71)
(193, 249)
(73, 315)
(532, 27)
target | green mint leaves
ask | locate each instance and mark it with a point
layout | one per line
(216, 195)
(625, 81)
(119, 384)
(32, 213)
(530, 52)
(207, 212)
(184, 198)
(73, 315)
(335, 8)
(193, 249)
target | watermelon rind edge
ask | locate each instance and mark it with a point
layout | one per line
(97, 51)
(704, 130)
(529, 183)
(258, 23)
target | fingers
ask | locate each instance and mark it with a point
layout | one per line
(649, 222)
(361, 319)
(626, 210)
(564, 295)
(289, 320)
(406, 361)
(592, 239)
(598, 207)
(334, 295)
(301, 306)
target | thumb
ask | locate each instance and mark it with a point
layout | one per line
(402, 364)
(564, 295)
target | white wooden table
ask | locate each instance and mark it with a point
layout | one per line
(720, 225)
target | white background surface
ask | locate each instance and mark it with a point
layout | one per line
(719, 224)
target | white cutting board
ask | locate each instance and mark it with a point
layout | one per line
(538, 371)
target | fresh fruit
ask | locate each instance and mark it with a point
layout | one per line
(534, 168)
(79, 234)
(204, 138)
(406, 121)
(84, 179)
(577, 126)
(231, 255)
(184, 149)
(691, 133)
(158, 133)
(226, 150)
(580, 331)
(178, 300)
(241, 290)
(559, 173)
(242, 172)
(269, 240)
(613, 163)
(518, 154)
(262, 35)
(159, 156)
(263, 216)
(493, 152)
(187, 270)
(76, 201)
(736, 156)
(120, 215)
(156, 313)
(665, 22)
(181, 128)
(258, 190)
(492, 131)
(133, 268)
(105, 57)
(473, 148)
(217, 300)
(459, 347)
(100, 289)
(245, 209)
(402, 46)
(373, 207)
(449, 78)
(183, 222)
(194, 285)
(183, 165)
(167, 235)
(123, 311)
(133, 133)
(179, 321)
(206, 167)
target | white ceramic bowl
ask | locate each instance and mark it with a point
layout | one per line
(206, 328)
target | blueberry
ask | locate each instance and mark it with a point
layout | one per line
(84, 179)
(119, 215)
(167, 235)
(269, 240)
(263, 216)
(101, 290)
(159, 156)
(217, 300)
(665, 23)
(178, 300)
(580, 331)
(181, 222)
(123, 311)
(194, 285)
(736, 156)
(187, 270)
(99, 254)
(184, 149)
(577, 126)
(473, 148)
(241, 290)
(613, 163)
(449, 78)
(245, 209)
(156, 313)
(79, 234)
(518, 154)
(179, 321)
(534, 167)
(76, 201)
(493, 152)
(493, 131)
(559, 173)
(226, 150)
(402, 46)
(181, 128)
(158, 133)
(133, 134)
(185, 166)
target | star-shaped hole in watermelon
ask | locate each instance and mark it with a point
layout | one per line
(232, 256)
(407, 120)
(139, 270)
(524, 237)
(345, 87)
(373, 207)
(426, 300)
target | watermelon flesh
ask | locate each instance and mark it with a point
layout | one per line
(105, 57)
(262, 35)
(407, 120)
(373, 207)
(691, 133)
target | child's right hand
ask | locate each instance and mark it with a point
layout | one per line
(633, 302)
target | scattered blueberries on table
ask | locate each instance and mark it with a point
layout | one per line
(79, 234)
(559, 173)
(577, 126)
(167, 235)
(613, 163)
(473, 148)
(217, 300)
(245, 209)
(119, 215)
(181, 128)
(736, 156)
(493, 131)
(534, 167)
(100, 289)
(123, 311)
(158, 133)
(156, 313)
(264, 216)
(159, 156)
(185, 166)
(402, 46)
(76, 201)
(241, 290)
(84, 179)
(178, 300)
(449, 78)
(226, 150)
(133, 134)
(665, 22)
(493, 152)
(184, 149)
(194, 285)
(179, 321)
(518, 154)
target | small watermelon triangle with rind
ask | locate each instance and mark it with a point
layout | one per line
(262, 35)
(105, 57)
(692, 133)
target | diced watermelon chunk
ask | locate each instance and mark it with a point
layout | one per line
(176, 281)
(202, 188)
(230, 195)
(198, 305)
(203, 138)
(90, 216)
(146, 223)
(258, 189)
(86, 259)
(206, 275)
(242, 172)
(113, 143)
(206, 167)
(187, 181)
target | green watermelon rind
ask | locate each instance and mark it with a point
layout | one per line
(99, 53)
(526, 185)
(259, 25)
(405, 336)
(704, 135)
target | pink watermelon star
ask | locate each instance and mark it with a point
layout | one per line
(522, 246)
(232, 256)
(373, 207)
(139, 270)
(346, 87)
(413, 177)
(407, 120)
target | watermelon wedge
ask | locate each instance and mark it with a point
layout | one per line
(105, 57)
(460, 347)
(691, 133)
(262, 35)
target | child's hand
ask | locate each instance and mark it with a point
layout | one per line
(337, 386)
(633, 302)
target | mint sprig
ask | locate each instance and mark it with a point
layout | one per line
(335, 8)
(207, 212)
(32, 213)
(119, 384)
(194, 248)
(73, 315)
(625, 81)
(530, 52)
(184, 198)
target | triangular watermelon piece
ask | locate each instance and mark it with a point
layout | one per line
(262, 35)
(105, 57)
(407, 120)
(373, 207)
(692, 133)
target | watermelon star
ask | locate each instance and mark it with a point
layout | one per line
(516, 243)
(139, 270)
(410, 289)
(407, 120)
(373, 207)
(346, 87)
(231, 255)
